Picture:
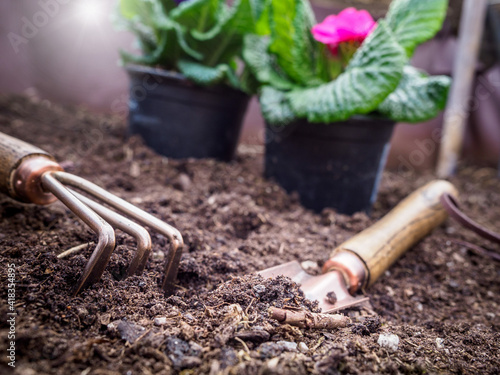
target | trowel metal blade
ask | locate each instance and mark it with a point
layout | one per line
(317, 287)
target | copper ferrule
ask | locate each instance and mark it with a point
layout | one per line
(27, 179)
(351, 266)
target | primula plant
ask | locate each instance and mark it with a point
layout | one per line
(347, 65)
(201, 39)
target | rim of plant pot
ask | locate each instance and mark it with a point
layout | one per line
(323, 129)
(180, 119)
(179, 78)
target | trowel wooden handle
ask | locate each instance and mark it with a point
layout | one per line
(13, 152)
(380, 245)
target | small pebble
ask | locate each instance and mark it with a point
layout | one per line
(189, 317)
(309, 265)
(259, 289)
(440, 343)
(128, 331)
(303, 347)
(158, 256)
(256, 334)
(135, 170)
(160, 321)
(196, 348)
(331, 297)
(390, 342)
(458, 258)
(453, 284)
(182, 183)
(288, 345)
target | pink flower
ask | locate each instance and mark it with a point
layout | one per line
(349, 25)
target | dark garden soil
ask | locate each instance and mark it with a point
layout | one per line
(441, 299)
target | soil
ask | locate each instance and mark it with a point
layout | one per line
(441, 298)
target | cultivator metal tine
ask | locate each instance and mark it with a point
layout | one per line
(173, 256)
(106, 243)
(118, 221)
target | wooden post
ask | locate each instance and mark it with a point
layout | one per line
(457, 111)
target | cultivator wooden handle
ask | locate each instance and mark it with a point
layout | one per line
(380, 245)
(29, 174)
(17, 160)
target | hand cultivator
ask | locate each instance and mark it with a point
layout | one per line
(29, 174)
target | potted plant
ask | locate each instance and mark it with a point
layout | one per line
(331, 93)
(188, 91)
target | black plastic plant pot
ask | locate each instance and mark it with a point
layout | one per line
(337, 165)
(179, 119)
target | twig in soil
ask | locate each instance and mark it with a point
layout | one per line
(74, 250)
(243, 343)
(181, 287)
(306, 319)
(317, 345)
(250, 304)
(220, 304)
(282, 248)
(478, 249)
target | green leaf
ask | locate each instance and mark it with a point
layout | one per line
(197, 15)
(247, 82)
(258, 8)
(152, 58)
(373, 73)
(275, 106)
(165, 23)
(130, 9)
(262, 16)
(205, 75)
(241, 20)
(225, 41)
(183, 43)
(415, 21)
(297, 53)
(418, 97)
(138, 17)
(262, 64)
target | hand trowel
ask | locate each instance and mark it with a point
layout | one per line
(361, 260)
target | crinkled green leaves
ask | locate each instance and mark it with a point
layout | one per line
(417, 98)
(292, 43)
(275, 106)
(415, 21)
(263, 64)
(377, 79)
(203, 39)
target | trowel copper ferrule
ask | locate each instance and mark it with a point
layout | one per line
(352, 268)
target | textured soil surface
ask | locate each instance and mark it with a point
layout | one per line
(441, 298)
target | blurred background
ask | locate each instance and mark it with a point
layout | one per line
(66, 51)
